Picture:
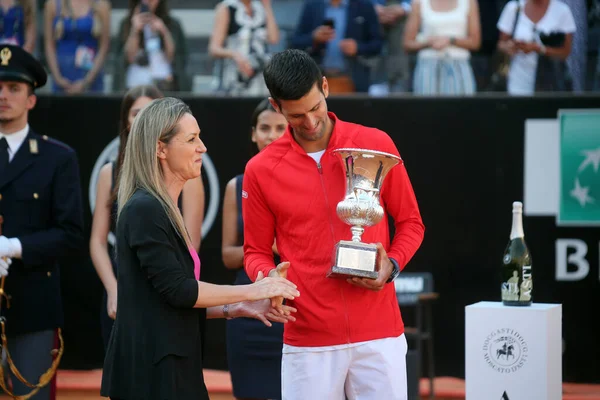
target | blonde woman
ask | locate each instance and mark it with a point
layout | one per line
(154, 351)
(191, 203)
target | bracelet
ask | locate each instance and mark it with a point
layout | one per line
(226, 311)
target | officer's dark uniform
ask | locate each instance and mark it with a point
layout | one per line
(40, 200)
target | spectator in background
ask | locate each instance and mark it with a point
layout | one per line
(77, 39)
(253, 350)
(394, 63)
(443, 32)
(18, 23)
(191, 203)
(242, 32)
(541, 44)
(343, 37)
(152, 47)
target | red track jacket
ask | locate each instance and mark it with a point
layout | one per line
(287, 196)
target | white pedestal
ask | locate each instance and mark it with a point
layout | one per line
(513, 353)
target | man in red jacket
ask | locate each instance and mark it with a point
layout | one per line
(348, 338)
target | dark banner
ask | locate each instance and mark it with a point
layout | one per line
(465, 158)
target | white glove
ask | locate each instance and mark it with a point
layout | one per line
(10, 247)
(4, 264)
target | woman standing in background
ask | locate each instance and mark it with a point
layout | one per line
(104, 219)
(443, 33)
(540, 46)
(242, 32)
(151, 48)
(77, 39)
(253, 350)
(18, 18)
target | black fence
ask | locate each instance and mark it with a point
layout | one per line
(465, 160)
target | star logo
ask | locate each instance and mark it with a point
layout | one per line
(581, 194)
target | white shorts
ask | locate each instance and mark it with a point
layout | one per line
(372, 370)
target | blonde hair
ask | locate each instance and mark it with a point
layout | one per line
(157, 121)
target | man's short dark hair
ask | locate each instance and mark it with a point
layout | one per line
(291, 74)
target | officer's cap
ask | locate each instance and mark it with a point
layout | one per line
(18, 65)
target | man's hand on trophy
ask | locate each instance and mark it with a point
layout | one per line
(281, 272)
(4, 265)
(385, 268)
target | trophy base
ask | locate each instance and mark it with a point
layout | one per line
(354, 259)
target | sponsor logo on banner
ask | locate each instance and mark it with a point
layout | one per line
(109, 154)
(562, 180)
(579, 197)
(505, 350)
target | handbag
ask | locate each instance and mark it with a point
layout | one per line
(552, 75)
(499, 79)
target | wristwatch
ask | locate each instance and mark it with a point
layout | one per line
(395, 271)
(452, 40)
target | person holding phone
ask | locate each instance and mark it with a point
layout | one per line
(341, 36)
(153, 48)
(543, 34)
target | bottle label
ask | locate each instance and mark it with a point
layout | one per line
(512, 290)
(526, 283)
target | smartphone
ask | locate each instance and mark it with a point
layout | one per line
(144, 8)
(329, 22)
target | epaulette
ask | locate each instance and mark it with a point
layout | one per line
(56, 142)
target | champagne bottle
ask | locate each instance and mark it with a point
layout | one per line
(517, 282)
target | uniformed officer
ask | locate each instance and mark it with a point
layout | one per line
(40, 201)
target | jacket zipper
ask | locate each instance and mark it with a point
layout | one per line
(320, 169)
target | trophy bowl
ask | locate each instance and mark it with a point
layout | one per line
(365, 172)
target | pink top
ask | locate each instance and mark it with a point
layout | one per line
(196, 262)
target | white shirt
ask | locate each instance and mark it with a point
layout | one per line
(558, 18)
(453, 23)
(317, 155)
(15, 140)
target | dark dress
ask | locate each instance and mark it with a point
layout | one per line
(253, 349)
(155, 348)
(106, 322)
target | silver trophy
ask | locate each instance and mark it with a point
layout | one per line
(365, 172)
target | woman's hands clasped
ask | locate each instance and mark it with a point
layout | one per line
(266, 298)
